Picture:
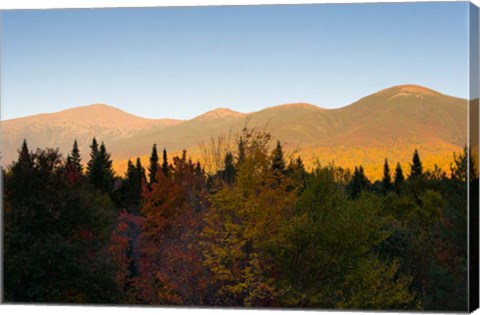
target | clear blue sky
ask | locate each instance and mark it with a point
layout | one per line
(181, 62)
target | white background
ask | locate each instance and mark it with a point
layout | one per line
(53, 310)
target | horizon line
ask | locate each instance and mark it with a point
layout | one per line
(229, 108)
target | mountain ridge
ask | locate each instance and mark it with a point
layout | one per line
(405, 89)
(391, 119)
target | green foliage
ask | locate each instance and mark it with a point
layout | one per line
(296, 171)
(399, 178)
(129, 195)
(100, 172)
(229, 171)
(75, 159)
(328, 254)
(56, 234)
(278, 162)
(153, 168)
(461, 165)
(164, 162)
(243, 220)
(416, 168)
(358, 183)
(387, 184)
(256, 233)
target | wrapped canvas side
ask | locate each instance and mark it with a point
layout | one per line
(474, 147)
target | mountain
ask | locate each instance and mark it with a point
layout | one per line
(60, 129)
(404, 113)
(219, 113)
(388, 124)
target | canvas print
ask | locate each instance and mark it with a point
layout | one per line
(317, 156)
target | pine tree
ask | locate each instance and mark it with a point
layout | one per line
(93, 155)
(100, 172)
(165, 162)
(131, 190)
(140, 170)
(68, 163)
(278, 163)
(24, 167)
(107, 163)
(416, 166)
(130, 169)
(153, 169)
(399, 178)
(129, 178)
(387, 179)
(296, 170)
(74, 161)
(51, 223)
(229, 171)
(358, 183)
(25, 158)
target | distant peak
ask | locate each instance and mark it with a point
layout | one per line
(100, 106)
(416, 89)
(219, 113)
(298, 105)
(96, 106)
(409, 89)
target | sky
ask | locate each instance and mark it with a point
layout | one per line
(181, 62)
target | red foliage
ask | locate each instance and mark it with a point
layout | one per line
(166, 251)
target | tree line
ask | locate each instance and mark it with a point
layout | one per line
(261, 231)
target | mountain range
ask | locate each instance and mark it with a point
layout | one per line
(391, 124)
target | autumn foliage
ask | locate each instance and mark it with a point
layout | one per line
(259, 231)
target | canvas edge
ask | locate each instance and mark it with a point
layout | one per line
(473, 144)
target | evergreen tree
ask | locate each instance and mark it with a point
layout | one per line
(165, 162)
(229, 171)
(387, 179)
(399, 178)
(278, 163)
(25, 159)
(23, 170)
(126, 195)
(358, 183)
(54, 232)
(296, 170)
(74, 161)
(107, 165)
(130, 170)
(140, 170)
(153, 169)
(93, 154)
(416, 166)
(100, 173)
(130, 193)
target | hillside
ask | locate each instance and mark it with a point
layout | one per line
(60, 129)
(388, 124)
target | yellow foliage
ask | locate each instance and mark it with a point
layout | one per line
(371, 158)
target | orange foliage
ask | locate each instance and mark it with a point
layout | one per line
(168, 254)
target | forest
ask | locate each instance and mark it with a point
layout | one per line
(260, 231)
